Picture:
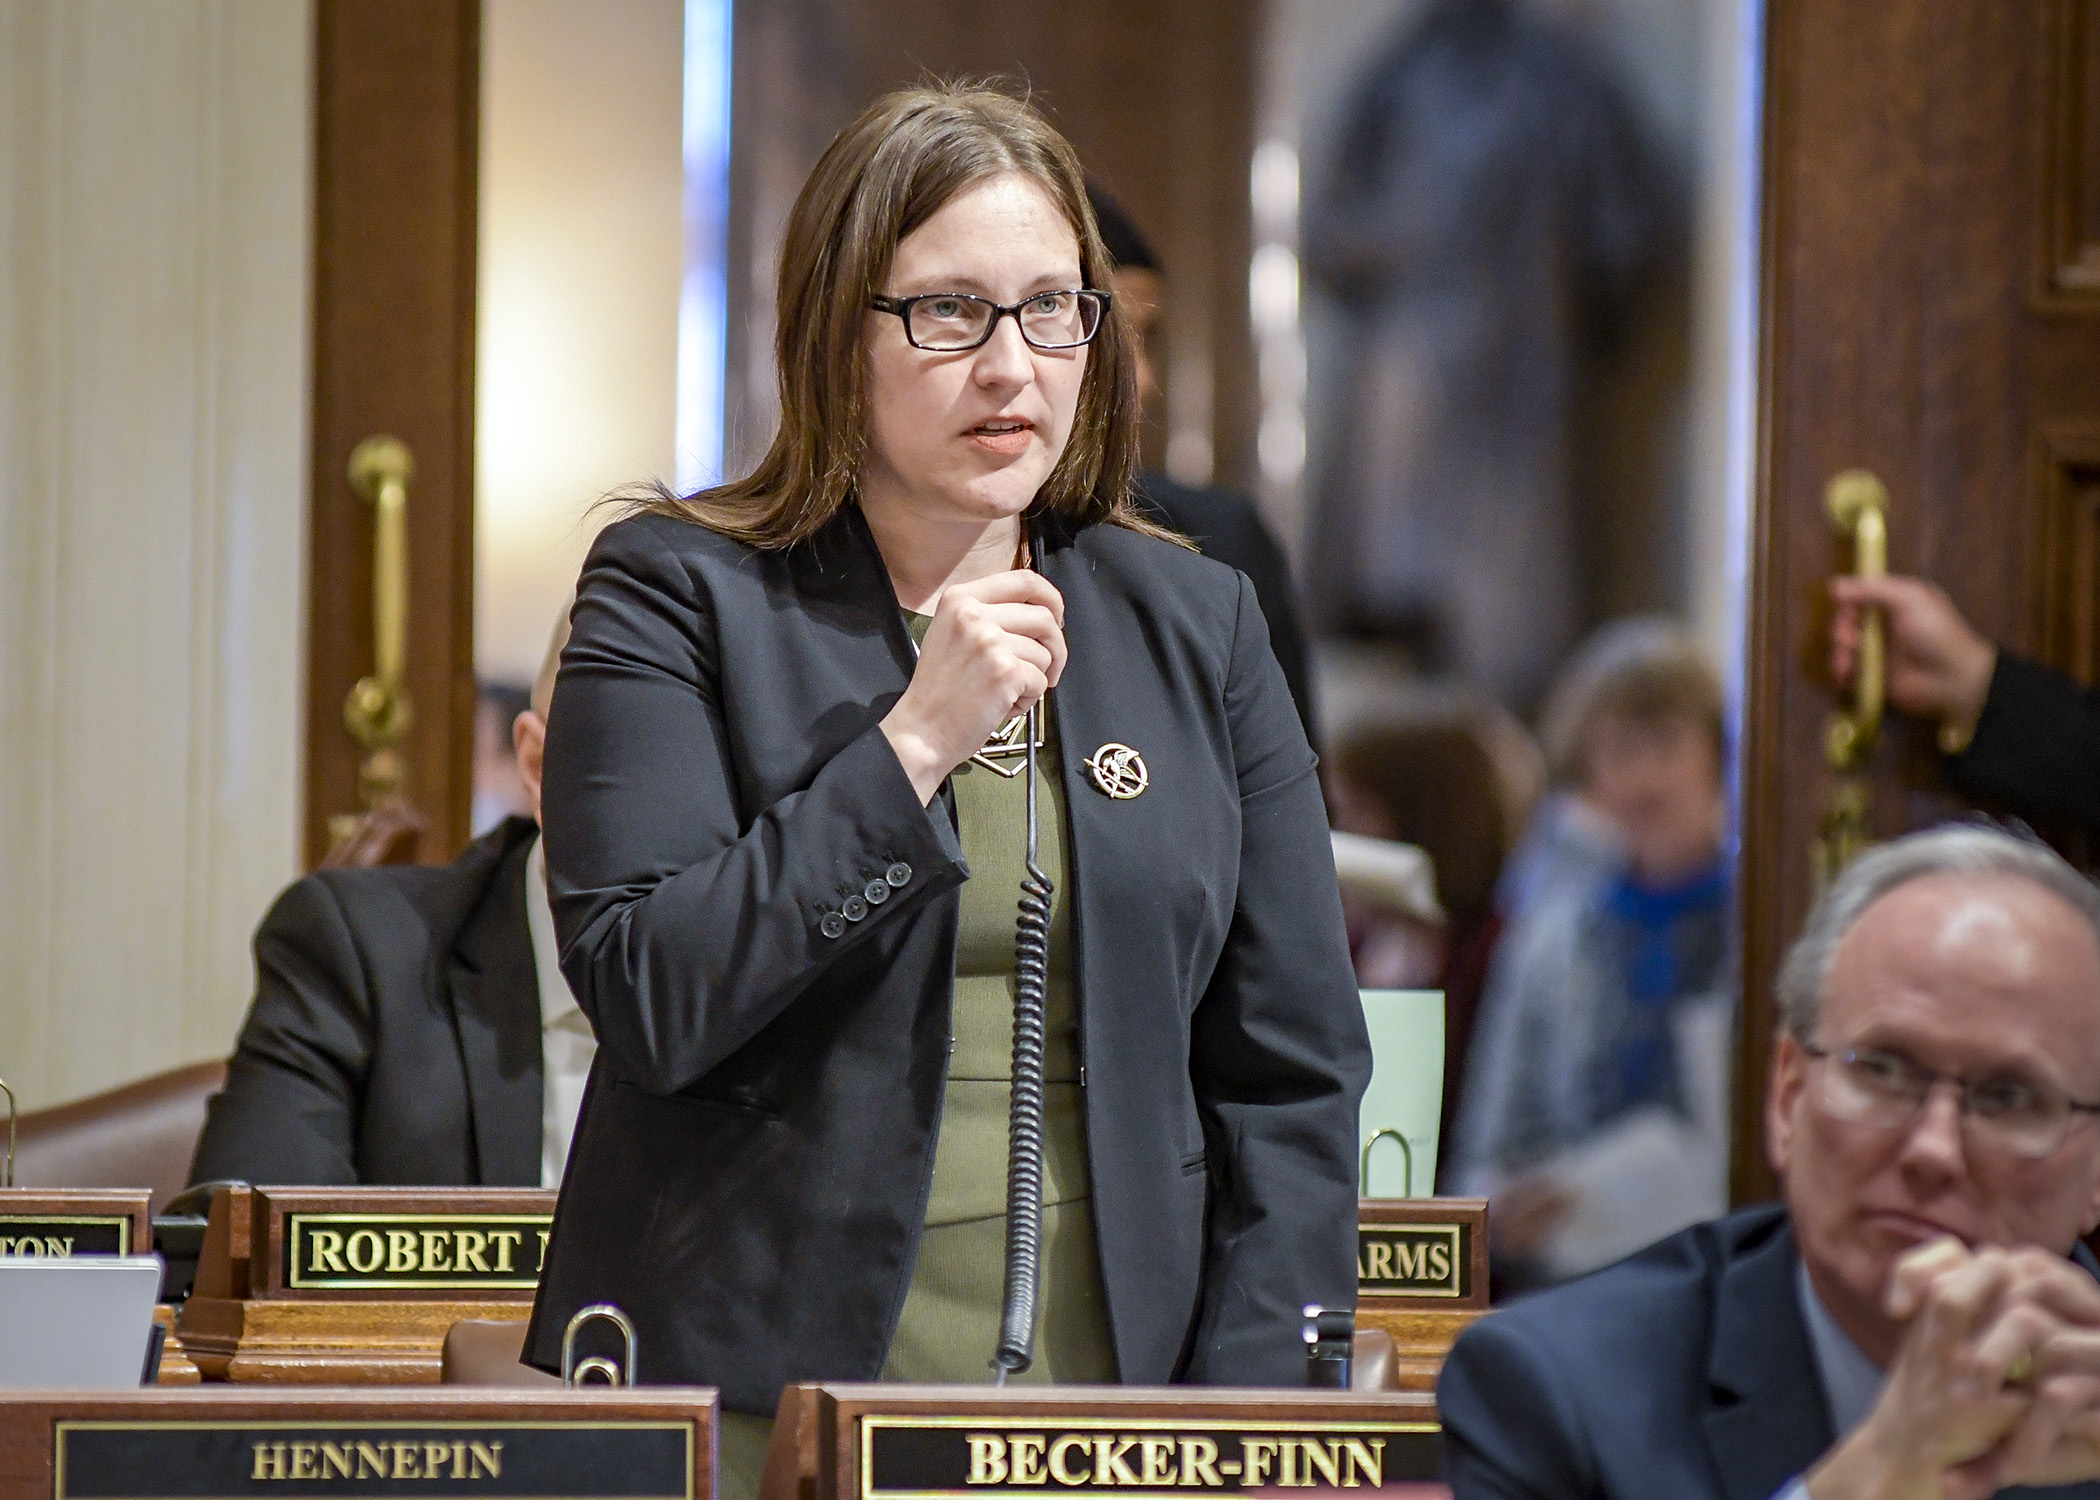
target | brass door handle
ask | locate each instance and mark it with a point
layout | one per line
(378, 712)
(1857, 503)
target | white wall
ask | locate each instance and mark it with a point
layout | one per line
(153, 327)
(582, 203)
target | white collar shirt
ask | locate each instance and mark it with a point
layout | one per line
(566, 1043)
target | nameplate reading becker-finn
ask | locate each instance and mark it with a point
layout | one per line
(917, 1457)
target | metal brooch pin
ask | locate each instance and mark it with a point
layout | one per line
(1008, 743)
(1118, 771)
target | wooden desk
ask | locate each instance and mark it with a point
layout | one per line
(901, 1442)
(356, 1286)
(650, 1444)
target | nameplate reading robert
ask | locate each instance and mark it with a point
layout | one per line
(634, 1460)
(919, 1458)
(1414, 1260)
(60, 1236)
(449, 1251)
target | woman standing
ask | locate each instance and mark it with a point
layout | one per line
(785, 830)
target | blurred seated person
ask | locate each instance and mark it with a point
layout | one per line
(2012, 731)
(1917, 1318)
(411, 1025)
(1594, 1109)
(499, 790)
(1433, 783)
(1221, 522)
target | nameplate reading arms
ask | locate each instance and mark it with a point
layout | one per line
(923, 1457)
(207, 1460)
(428, 1252)
(1429, 1248)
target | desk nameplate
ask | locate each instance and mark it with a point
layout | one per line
(1429, 1251)
(216, 1443)
(56, 1223)
(905, 1442)
(400, 1244)
(952, 1457)
(208, 1460)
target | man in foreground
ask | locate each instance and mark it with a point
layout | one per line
(1918, 1318)
(411, 1025)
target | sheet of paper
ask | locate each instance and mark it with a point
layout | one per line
(1406, 1091)
(1654, 1171)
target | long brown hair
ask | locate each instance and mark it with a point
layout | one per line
(881, 178)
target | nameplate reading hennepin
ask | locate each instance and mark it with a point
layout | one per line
(457, 1252)
(61, 1236)
(922, 1458)
(221, 1460)
(1413, 1260)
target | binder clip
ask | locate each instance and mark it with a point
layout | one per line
(576, 1372)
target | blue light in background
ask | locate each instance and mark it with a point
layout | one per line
(703, 295)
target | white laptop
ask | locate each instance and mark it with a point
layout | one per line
(81, 1323)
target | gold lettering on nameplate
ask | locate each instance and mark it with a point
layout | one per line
(62, 1236)
(434, 1251)
(1415, 1260)
(645, 1459)
(913, 1458)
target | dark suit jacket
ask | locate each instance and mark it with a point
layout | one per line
(1228, 527)
(756, 1144)
(395, 1033)
(1684, 1373)
(2037, 745)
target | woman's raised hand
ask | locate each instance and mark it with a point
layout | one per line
(996, 646)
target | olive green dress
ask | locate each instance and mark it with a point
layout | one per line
(950, 1322)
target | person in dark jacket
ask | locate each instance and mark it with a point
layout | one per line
(786, 809)
(2011, 730)
(410, 1025)
(1918, 1318)
(1223, 522)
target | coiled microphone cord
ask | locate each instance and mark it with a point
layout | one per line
(1024, 1121)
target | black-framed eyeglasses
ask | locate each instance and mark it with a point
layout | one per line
(954, 322)
(1884, 1090)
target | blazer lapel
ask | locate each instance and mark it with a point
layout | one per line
(495, 991)
(1769, 1419)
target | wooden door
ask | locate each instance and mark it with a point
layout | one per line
(396, 151)
(1931, 312)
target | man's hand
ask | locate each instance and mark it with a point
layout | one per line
(1938, 667)
(1947, 1407)
(1997, 1381)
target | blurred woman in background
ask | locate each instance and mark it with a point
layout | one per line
(1595, 1102)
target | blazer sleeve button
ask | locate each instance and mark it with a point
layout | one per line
(897, 873)
(832, 925)
(855, 908)
(878, 891)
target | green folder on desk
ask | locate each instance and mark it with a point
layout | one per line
(1405, 1100)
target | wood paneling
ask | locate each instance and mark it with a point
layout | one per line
(1921, 160)
(396, 144)
(1158, 99)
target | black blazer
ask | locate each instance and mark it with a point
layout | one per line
(756, 1143)
(2037, 745)
(1684, 1373)
(395, 1032)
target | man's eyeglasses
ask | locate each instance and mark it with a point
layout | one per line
(953, 322)
(2005, 1113)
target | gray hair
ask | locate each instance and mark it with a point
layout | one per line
(1974, 848)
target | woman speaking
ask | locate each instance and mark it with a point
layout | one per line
(788, 817)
